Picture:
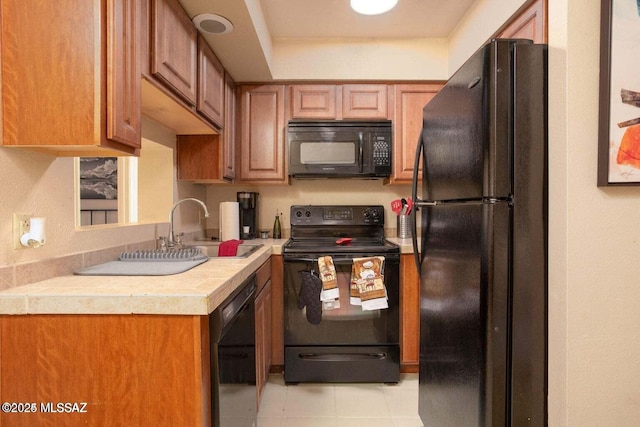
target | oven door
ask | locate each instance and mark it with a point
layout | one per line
(349, 324)
(348, 344)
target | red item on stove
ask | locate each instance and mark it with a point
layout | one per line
(343, 241)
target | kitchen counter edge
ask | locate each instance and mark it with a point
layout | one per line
(198, 291)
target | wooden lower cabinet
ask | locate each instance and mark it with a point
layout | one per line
(129, 369)
(263, 327)
(409, 315)
(277, 313)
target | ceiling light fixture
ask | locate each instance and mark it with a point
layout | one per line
(211, 23)
(373, 7)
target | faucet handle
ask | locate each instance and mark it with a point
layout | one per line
(179, 238)
(162, 243)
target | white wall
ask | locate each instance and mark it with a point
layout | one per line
(370, 59)
(481, 21)
(594, 234)
(594, 367)
(43, 185)
(304, 192)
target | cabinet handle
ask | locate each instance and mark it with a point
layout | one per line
(360, 148)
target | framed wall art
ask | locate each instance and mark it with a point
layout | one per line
(619, 122)
(98, 190)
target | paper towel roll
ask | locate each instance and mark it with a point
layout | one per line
(229, 221)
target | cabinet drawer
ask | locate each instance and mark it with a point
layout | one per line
(263, 275)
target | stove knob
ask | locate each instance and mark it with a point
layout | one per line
(307, 214)
(298, 214)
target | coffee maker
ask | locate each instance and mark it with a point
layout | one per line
(248, 203)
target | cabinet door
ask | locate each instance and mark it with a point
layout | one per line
(229, 130)
(277, 313)
(364, 101)
(262, 147)
(313, 101)
(407, 125)
(263, 338)
(409, 315)
(210, 84)
(95, 70)
(198, 158)
(530, 24)
(124, 93)
(120, 364)
(174, 49)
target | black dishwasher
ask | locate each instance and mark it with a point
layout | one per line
(233, 359)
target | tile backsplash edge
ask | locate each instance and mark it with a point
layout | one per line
(24, 274)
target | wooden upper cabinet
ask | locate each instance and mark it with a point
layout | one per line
(531, 23)
(407, 125)
(198, 158)
(174, 45)
(210, 84)
(339, 101)
(124, 72)
(313, 102)
(72, 90)
(262, 145)
(210, 158)
(364, 101)
(229, 130)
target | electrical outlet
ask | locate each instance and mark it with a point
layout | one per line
(20, 226)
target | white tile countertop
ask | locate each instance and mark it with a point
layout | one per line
(195, 292)
(406, 246)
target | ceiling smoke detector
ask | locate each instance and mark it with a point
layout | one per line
(212, 24)
(373, 7)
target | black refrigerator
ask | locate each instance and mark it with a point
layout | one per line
(482, 254)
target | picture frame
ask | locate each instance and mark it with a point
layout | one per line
(99, 178)
(98, 190)
(619, 94)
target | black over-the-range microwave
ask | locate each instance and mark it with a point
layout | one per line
(339, 149)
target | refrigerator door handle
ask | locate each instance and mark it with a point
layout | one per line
(417, 256)
(360, 150)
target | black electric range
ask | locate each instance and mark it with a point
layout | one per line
(341, 343)
(338, 229)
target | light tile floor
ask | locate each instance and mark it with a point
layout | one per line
(340, 405)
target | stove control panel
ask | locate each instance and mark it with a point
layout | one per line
(318, 215)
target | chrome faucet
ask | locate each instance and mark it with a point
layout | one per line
(172, 238)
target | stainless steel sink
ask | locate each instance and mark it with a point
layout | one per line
(210, 248)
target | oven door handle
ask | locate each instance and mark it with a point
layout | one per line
(308, 259)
